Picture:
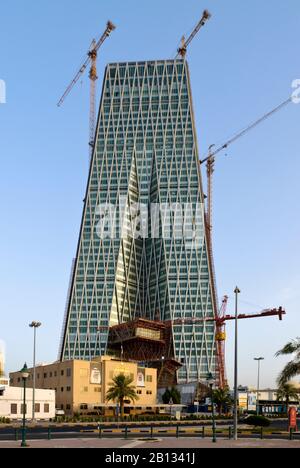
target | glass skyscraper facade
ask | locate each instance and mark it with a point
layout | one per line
(141, 263)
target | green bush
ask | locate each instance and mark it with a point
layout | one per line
(4, 421)
(257, 421)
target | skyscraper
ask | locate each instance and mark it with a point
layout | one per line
(143, 248)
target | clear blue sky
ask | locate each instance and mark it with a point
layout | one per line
(242, 65)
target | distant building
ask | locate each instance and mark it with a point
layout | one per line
(11, 403)
(81, 386)
(268, 403)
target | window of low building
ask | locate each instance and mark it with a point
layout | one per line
(14, 409)
(68, 389)
(149, 392)
(69, 372)
(37, 408)
(149, 378)
(46, 408)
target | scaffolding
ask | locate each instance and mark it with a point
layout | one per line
(148, 342)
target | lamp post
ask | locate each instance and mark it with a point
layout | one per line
(258, 382)
(211, 382)
(35, 326)
(235, 416)
(25, 375)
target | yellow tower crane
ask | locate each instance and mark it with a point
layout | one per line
(91, 60)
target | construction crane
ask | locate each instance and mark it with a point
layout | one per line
(210, 158)
(182, 51)
(220, 317)
(221, 332)
(91, 60)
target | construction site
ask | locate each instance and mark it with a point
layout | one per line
(150, 337)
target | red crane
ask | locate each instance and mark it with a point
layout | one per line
(221, 333)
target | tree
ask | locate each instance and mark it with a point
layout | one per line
(292, 369)
(121, 390)
(166, 398)
(287, 392)
(173, 395)
(222, 399)
(176, 396)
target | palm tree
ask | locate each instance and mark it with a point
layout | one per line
(222, 399)
(121, 390)
(292, 369)
(287, 392)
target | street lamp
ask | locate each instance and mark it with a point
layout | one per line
(25, 375)
(211, 382)
(35, 326)
(235, 417)
(258, 381)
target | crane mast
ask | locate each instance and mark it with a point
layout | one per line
(91, 60)
(93, 79)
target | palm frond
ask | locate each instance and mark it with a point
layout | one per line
(291, 370)
(289, 348)
(288, 392)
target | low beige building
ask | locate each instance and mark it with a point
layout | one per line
(81, 386)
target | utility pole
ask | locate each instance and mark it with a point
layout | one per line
(236, 396)
(258, 382)
(35, 326)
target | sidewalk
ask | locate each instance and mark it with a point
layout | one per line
(155, 444)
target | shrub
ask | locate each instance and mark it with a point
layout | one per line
(5, 421)
(258, 421)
